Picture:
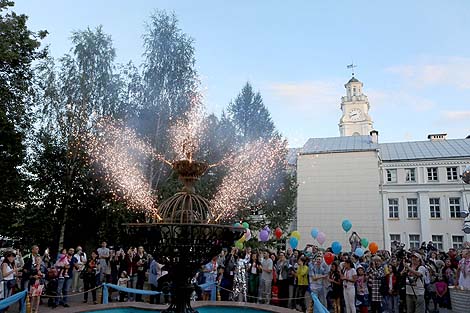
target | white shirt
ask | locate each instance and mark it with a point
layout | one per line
(349, 275)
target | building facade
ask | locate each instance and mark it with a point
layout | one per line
(408, 191)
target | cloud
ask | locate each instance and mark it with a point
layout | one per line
(449, 71)
(456, 116)
(404, 100)
(306, 96)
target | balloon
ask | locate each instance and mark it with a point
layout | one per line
(295, 234)
(239, 244)
(346, 225)
(336, 247)
(245, 225)
(364, 242)
(242, 239)
(278, 233)
(329, 258)
(373, 247)
(237, 225)
(359, 252)
(321, 237)
(263, 235)
(248, 234)
(314, 233)
(293, 242)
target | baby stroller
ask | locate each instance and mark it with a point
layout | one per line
(51, 287)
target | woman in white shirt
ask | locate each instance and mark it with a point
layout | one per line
(9, 272)
(349, 277)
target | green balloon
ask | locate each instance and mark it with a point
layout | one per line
(239, 245)
(364, 242)
(245, 225)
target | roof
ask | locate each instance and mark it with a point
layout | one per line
(339, 144)
(422, 150)
(353, 80)
(395, 151)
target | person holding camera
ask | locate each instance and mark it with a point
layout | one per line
(415, 272)
(77, 283)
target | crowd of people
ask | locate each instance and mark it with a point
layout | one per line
(396, 281)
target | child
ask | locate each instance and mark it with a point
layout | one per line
(362, 290)
(62, 265)
(122, 282)
(442, 293)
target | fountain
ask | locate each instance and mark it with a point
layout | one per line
(185, 236)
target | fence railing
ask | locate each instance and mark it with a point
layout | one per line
(17, 297)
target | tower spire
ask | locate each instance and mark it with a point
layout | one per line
(351, 66)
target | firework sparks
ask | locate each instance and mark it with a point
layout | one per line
(187, 132)
(120, 153)
(249, 171)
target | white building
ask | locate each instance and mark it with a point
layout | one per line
(408, 191)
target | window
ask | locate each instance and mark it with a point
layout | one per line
(410, 174)
(412, 208)
(435, 207)
(393, 208)
(395, 237)
(454, 206)
(414, 242)
(432, 173)
(392, 176)
(452, 173)
(437, 240)
(457, 242)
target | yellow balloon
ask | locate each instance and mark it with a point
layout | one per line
(242, 239)
(295, 234)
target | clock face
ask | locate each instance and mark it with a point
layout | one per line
(355, 114)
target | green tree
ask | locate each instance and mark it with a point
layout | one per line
(169, 85)
(250, 116)
(19, 48)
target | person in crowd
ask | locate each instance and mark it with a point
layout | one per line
(77, 283)
(448, 272)
(301, 275)
(104, 255)
(349, 276)
(317, 274)
(334, 277)
(254, 269)
(141, 262)
(415, 272)
(210, 275)
(266, 278)
(282, 268)
(9, 273)
(153, 281)
(65, 281)
(37, 280)
(291, 278)
(131, 268)
(376, 275)
(442, 293)
(463, 271)
(362, 290)
(228, 275)
(391, 288)
(90, 277)
(28, 262)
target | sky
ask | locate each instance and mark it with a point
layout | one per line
(412, 56)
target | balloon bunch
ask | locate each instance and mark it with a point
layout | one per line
(246, 236)
(318, 235)
(294, 239)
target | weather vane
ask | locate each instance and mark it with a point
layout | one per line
(351, 66)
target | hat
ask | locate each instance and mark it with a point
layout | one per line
(417, 255)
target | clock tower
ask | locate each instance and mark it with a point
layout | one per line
(355, 107)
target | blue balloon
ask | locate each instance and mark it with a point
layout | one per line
(293, 242)
(336, 247)
(346, 225)
(359, 252)
(314, 233)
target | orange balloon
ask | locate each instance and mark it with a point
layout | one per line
(373, 247)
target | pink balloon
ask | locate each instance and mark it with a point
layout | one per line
(248, 234)
(321, 237)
